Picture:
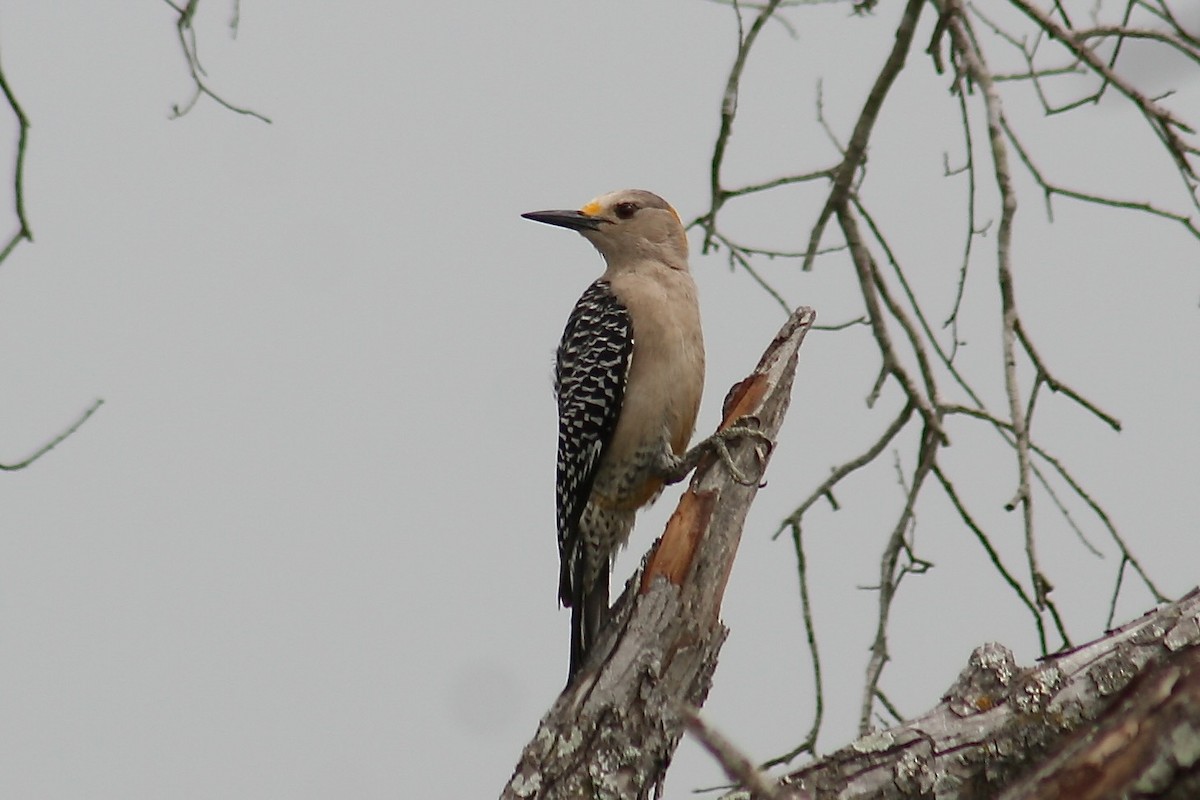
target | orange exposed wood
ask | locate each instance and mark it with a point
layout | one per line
(673, 556)
(744, 398)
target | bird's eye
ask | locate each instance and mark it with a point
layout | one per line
(625, 210)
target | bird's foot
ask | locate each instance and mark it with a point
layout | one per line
(675, 468)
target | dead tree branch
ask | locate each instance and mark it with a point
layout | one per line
(187, 41)
(56, 441)
(24, 232)
(855, 153)
(920, 358)
(1127, 700)
(614, 728)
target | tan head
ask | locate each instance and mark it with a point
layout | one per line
(626, 226)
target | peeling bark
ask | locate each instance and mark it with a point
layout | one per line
(1117, 717)
(613, 730)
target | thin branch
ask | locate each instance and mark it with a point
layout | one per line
(738, 258)
(1063, 511)
(969, 239)
(856, 148)
(867, 272)
(1116, 593)
(841, 471)
(1005, 429)
(889, 706)
(56, 441)
(1166, 125)
(889, 579)
(737, 766)
(1035, 74)
(823, 121)
(841, 326)
(1100, 513)
(1122, 32)
(916, 346)
(809, 743)
(24, 232)
(1050, 189)
(187, 41)
(993, 555)
(729, 111)
(1162, 12)
(977, 71)
(787, 180)
(1056, 385)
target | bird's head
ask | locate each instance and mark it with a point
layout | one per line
(626, 226)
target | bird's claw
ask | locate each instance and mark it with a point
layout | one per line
(741, 429)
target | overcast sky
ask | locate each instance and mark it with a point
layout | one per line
(306, 547)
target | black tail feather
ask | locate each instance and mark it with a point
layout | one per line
(588, 615)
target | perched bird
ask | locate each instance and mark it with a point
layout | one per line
(629, 375)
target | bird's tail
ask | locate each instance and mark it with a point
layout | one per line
(589, 610)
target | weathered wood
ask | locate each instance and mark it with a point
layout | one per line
(612, 732)
(1117, 717)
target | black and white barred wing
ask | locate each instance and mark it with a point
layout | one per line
(590, 375)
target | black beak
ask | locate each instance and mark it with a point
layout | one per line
(574, 220)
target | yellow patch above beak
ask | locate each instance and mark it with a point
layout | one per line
(591, 209)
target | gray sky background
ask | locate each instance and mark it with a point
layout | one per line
(306, 547)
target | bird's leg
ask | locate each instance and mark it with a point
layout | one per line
(675, 468)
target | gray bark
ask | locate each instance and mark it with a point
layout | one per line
(612, 732)
(1117, 717)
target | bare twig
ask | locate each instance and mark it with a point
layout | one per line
(856, 148)
(737, 765)
(993, 556)
(977, 71)
(897, 312)
(873, 294)
(1166, 125)
(1056, 385)
(841, 471)
(889, 579)
(1177, 43)
(187, 41)
(1050, 189)
(24, 232)
(56, 441)
(809, 743)
(729, 111)
(841, 326)
(923, 365)
(972, 228)
(738, 258)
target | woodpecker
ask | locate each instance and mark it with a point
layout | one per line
(629, 374)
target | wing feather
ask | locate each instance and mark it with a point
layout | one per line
(591, 371)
